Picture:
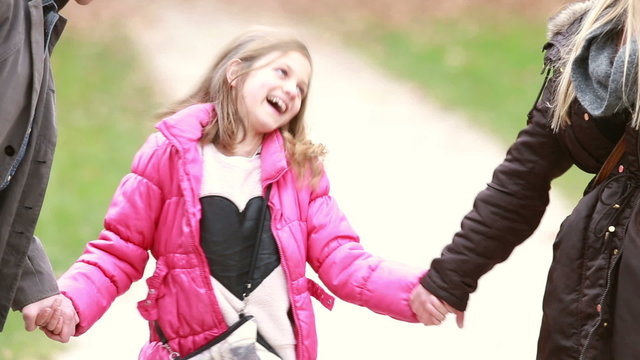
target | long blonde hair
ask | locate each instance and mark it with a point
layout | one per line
(602, 12)
(227, 125)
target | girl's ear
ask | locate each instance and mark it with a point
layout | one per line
(233, 69)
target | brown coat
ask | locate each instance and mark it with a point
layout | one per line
(590, 305)
(27, 141)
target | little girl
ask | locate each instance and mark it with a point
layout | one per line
(231, 199)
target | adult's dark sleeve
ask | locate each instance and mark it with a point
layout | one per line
(37, 280)
(505, 213)
(27, 137)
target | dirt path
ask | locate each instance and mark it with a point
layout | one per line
(403, 169)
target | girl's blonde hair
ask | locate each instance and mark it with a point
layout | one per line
(626, 12)
(227, 125)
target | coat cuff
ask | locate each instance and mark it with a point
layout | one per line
(37, 280)
(429, 282)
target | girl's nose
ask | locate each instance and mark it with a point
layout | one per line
(290, 88)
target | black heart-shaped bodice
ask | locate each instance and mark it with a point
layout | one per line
(228, 238)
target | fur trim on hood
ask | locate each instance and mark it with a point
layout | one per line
(561, 21)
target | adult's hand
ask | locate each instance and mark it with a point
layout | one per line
(430, 310)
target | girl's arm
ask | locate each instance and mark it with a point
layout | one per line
(111, 263)
(350, 272)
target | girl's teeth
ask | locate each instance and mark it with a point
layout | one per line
(278, 102)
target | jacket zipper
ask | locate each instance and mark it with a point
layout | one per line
(285, 268)
(614, 261)
(189, 191)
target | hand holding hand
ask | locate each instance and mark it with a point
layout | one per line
(430, 310)
(55, 316)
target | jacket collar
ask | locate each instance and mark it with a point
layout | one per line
(184, 129)
(274, 158)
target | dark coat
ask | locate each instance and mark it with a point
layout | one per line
(28, 32)
(591, 307)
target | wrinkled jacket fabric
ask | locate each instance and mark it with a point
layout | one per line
(590, 304)
(156, 208)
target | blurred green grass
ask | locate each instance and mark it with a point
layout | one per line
(104, 114)
(486, 65)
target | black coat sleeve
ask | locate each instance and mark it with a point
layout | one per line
(505, 213)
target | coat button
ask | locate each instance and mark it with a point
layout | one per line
(616, 206)
(615, 251)
(9, 150)
(612, 229)
(152, 291)
(586, 116)
(605, 324)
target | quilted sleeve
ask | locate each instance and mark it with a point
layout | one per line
(348, 270)
(117, 258)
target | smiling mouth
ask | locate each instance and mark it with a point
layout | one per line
(277, 103)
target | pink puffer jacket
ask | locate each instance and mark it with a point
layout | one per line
(156, 208)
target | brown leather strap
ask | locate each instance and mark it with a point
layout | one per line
(611, 161)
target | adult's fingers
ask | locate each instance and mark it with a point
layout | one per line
(29, 318)
(69, 327)
(44, 316)
(459, 315)
(57, 337)
(40, 313)
(70, 318)
(48, 313)
(56, 318)
(50, 334)
(59, 327)
(460, 319)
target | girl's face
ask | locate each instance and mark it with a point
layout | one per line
(273, 90)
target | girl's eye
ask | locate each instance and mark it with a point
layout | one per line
(281, 72)
(301, 91)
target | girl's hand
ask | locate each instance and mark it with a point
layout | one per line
(430, 310)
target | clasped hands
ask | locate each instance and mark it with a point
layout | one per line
(430, 310)
(57, 317)
(54, 315)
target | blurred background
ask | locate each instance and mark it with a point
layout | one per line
(121, 61)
